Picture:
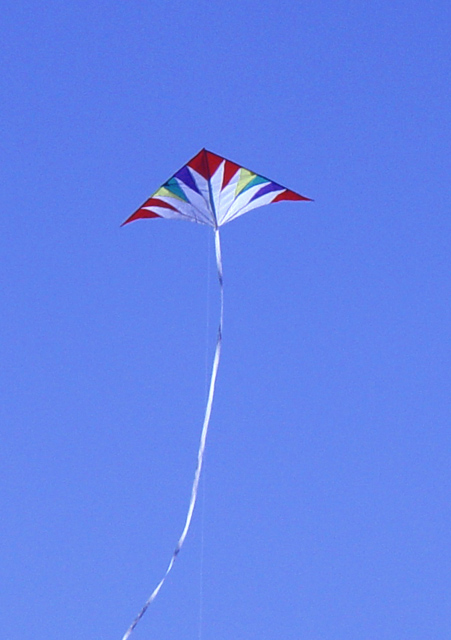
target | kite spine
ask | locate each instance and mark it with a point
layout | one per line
(203, 440)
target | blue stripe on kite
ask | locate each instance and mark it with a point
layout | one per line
(173, 186)
(272, 186)
(184, 174)
(254, 182)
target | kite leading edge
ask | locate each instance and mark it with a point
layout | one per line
(209, 190)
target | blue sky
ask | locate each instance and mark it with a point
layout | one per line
(324, 510)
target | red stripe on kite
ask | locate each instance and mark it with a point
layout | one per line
(198, 164)
(290, 195)
(213, 162)
(155, 202)
(230, 170)
(141, 213)
(145, 213)
(205, 163)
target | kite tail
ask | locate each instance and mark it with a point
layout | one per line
(203, 439)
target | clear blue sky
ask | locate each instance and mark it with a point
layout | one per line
(327, 487)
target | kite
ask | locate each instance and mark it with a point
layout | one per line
(209, 190)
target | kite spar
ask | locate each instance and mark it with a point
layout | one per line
(209, 190)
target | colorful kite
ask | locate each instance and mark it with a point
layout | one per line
(209, 190)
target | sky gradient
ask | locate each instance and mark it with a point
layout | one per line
(324, 507)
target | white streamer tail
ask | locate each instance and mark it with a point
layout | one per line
(200, 453)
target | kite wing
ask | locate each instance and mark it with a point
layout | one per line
(212, 190)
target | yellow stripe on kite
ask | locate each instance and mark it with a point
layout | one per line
(162, 191)
(245, 177)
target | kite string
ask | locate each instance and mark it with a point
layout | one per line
(201, 578)
(203, 439)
